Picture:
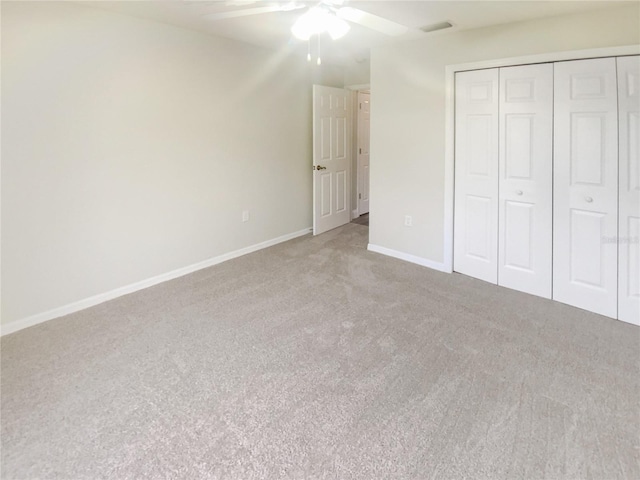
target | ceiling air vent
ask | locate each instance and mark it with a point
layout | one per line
(436, 26)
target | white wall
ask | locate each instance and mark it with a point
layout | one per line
(130, 149)
(408, 113)
(357, 72)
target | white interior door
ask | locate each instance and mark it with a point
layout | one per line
(585, 269)
(629, 189)
(475, 245)
(526, 174)
(331, 158)
(364, 127)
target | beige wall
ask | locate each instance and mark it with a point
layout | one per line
(130, 149)
(408, 113)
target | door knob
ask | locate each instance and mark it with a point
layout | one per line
(588, 199)
(518, 192)
(319, 167)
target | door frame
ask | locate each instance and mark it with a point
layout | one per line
(335, 217)
(449, 162)
(355, 173)
(359, 174)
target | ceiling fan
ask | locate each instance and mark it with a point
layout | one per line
(326, 16)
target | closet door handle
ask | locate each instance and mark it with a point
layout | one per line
(588, 199)
(518, 192)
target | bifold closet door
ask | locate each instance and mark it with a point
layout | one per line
(629, 185)
(476, 175)
(525, 178)
(585, 267)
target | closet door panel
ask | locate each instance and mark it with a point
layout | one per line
(629, 185)
(525, 178)
(585, 226)
(476, 174)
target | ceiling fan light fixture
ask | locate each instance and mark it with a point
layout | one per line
(310, 23)
(318, 20)
(337, 27)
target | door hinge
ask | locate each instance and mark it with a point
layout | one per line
(360, 106)
(360, 150)
(359, 196)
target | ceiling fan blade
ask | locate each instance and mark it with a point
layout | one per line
(252, 11)
(239, 3)
(371, 21)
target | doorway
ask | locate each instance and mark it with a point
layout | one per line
(341, 145)
(363, 127)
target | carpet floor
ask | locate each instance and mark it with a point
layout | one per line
(362, 220)
(316, 359)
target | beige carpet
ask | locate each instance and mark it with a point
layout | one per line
(362, 220)
(316, 359)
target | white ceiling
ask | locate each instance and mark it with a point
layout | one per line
(272, 30)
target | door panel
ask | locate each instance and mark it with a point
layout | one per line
(629, 195)
(518, 242)
(588, 157)
(331, 147)
(480, 145)
(587, 230)
(325, 138)
(479, 245)
(519, 150)
(340, 138)
(585, 269)
(525, 178)
(632, 275)
(341, 191)
(325, 194)
(476, 175)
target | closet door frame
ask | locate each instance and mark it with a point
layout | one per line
(450, 71)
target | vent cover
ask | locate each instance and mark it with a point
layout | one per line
(436, 26)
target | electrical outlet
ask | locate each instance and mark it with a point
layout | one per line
(245, 215)
(408, 221)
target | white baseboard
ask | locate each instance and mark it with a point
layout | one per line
(425, 262)
(134, 287)
(354, 214)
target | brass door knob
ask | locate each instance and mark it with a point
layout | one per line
(319, 167)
